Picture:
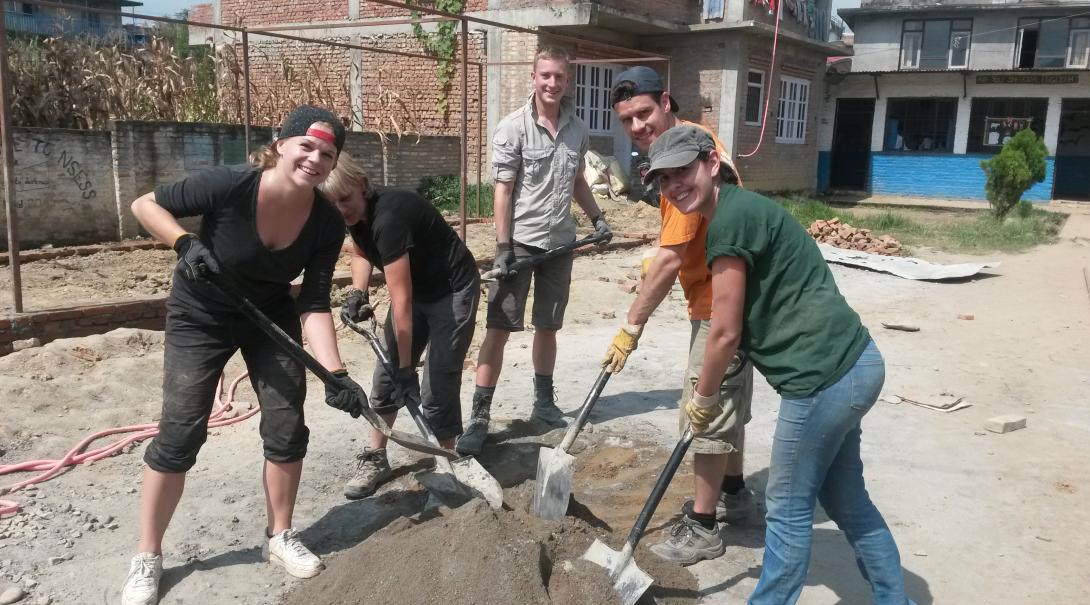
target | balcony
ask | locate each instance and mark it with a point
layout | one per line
(48, 25)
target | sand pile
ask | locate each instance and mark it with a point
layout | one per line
(843, 235)
(475, 555)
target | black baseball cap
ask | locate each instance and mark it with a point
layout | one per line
(644, 80)
(299, 122)
(677, 147)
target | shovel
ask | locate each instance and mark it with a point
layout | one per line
(300, 354)
(555, 466)
(493, 274)
(452, 482)
(629, 581)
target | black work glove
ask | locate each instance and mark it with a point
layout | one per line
(194, 258)
(357, 307)
(346, 396)
(408, 386)
(505, 257)
(601, 229)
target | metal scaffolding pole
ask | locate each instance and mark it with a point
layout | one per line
(465, 127)
(9, 174)
(246, 84)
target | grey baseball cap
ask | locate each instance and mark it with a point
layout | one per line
(643, 80)
(677, 147)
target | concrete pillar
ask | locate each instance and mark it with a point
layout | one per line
(355, 80)
(878, 127)
(728, 109)
(353, 11)
(961, 124)
(494, 76)
(1052, 124)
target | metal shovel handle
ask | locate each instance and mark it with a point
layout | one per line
(493, 274)
(659, 490)
(384, 359)
(297, 352)
(584, 412)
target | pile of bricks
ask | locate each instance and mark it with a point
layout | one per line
(842, 235)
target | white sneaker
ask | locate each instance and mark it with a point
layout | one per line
(286, 550)
(142, 585)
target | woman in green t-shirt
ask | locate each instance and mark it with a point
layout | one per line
(774, 297)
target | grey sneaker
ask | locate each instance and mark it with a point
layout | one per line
(372, 469)
(690, 543)
(142, 584)
(731, 508)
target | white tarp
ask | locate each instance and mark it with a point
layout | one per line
(906, 267)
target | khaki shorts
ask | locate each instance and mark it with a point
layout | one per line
(725, 434)
(507, 297)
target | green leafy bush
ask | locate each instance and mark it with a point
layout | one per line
(444, 191)
(1016, 168)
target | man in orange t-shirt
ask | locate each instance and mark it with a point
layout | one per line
(646, 110)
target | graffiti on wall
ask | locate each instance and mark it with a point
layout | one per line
(47, 171)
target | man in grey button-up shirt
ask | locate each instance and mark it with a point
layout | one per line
(537, 162)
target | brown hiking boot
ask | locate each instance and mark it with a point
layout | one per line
(372, 470)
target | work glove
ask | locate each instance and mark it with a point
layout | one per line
(346, 395)
(645, 266)
(622, 346)
(702, 411)
(357, 307)
(505, 258)
(408, 386)
(194, 258)
(601, 228)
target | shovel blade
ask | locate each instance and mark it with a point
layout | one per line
(629, 582)
(472, 475)
(553, 487)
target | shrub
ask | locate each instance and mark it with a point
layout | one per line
(1016, 168)
(443, 192)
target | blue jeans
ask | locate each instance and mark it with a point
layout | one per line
(815, 457)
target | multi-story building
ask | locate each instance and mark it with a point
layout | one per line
(721, 68)
(33, 19)
(936, 86)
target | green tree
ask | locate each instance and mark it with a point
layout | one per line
(1017, 167)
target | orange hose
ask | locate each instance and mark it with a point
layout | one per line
(51, 468)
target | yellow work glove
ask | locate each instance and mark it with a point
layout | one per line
(623, 344)
(702, 410)
(645, 265)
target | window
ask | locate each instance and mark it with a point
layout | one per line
(911, 40)
(989, 115)
(713, 9)
(1078, 43)
(592, 84)
(791, 117)
(1044, 42)
(755, 97)
(960, 36)
(28, 9)
(920, 125)
(936, 43)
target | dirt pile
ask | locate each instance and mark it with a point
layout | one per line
(843, 235)
(474, 554)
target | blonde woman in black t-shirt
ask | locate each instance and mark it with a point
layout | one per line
(434, 292)
(260, 227)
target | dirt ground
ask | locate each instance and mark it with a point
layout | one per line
(979, 517)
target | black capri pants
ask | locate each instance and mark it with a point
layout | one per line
(197, 347)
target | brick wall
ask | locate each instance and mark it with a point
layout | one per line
(696, 75)
(779, 166)
(269, 12)
(48, 326)
(149, 153)
(64, 192)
